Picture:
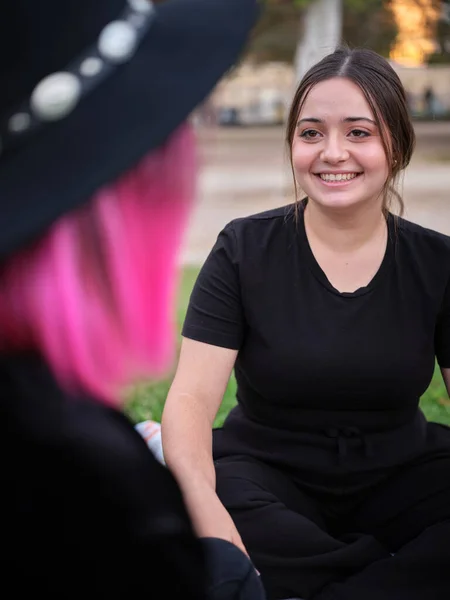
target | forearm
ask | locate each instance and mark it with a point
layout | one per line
(187, 442)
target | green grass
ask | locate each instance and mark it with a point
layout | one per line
(146, 401)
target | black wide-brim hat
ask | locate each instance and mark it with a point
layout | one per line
(88, 87)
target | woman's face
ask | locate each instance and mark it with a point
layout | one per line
(337, 152)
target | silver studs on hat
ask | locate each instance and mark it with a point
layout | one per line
(90, 67)
(141, 6)
(118, 41)
(137, 20)
(57, 95)
(19, 122)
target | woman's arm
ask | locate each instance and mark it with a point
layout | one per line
(194, 398)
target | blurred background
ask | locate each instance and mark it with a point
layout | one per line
(244, 166)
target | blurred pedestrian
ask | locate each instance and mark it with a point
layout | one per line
(428, 101)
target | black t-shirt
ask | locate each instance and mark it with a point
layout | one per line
(307, 351)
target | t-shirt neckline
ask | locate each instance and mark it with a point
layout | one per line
(320, 274)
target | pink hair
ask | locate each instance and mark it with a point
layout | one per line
(95, 294)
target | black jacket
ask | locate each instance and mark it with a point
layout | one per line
(86, 509)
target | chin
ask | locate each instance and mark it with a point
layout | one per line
(336, 200)
(340, 200)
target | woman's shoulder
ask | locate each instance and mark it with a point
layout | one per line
(278, 214)
(259, 227)
(421, 237)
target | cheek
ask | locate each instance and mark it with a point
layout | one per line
(375, 159)
(302, 157)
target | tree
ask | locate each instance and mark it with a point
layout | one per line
(442, 54)
(276, 34)
(305, 30)
(321, 32)
(302, 30)
(370, 24)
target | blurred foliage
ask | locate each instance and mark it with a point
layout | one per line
(442, 56)
(277, 32)
(366, 23)
(369, 24)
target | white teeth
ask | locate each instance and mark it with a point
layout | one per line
(338, 176)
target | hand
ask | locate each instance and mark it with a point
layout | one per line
(223, 528)
(211, 519)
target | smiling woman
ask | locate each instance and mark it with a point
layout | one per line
(342, 166)
(370, 109)
(332, 312)
(342, 161)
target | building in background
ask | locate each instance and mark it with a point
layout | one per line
(261, 94)
(255, 95)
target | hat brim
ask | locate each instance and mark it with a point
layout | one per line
(188, 48)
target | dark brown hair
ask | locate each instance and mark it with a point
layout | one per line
(386, 97)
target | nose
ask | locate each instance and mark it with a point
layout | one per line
(334, 151)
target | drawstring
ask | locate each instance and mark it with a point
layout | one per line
(342, 435)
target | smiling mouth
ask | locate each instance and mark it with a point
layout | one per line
(337, 178)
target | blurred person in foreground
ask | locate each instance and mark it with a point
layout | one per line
(97, 174)
(332, 312)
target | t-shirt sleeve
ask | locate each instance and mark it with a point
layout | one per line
(442, 339)
(215, 313)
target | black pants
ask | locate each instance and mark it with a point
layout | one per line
(390, 541)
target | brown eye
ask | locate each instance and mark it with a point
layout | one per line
(309, 134)
(359, 133)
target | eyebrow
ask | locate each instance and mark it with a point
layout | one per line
(346, 120)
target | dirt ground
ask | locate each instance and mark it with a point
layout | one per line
(245, 170)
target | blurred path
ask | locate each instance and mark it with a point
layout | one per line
(246, 171)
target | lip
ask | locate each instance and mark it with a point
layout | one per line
(336, 172)
(342, 182)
